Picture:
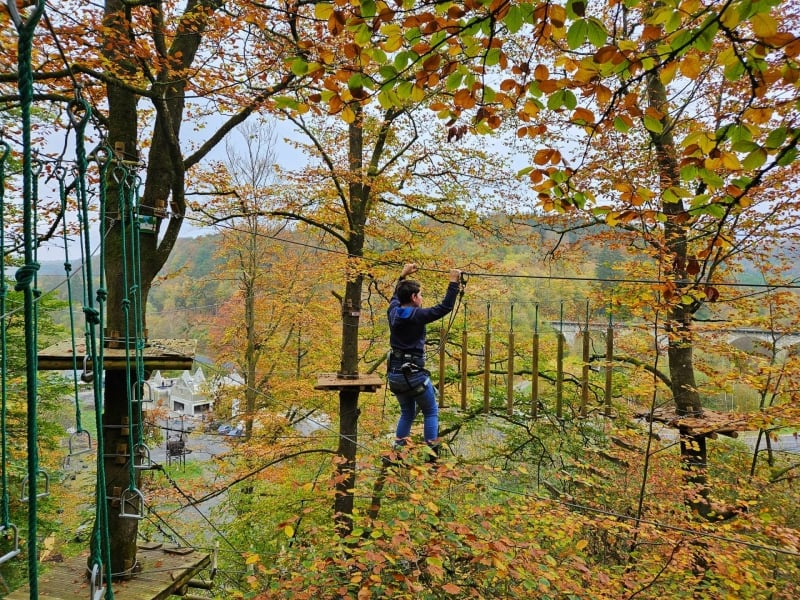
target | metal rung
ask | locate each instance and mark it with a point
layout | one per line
(15, 551)
(142, 399)
(87, 376)
(95, 592)
(142, 451)
(84, 450)
(128, 498)
(24, 497)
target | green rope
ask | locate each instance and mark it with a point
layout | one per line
(125, 180)
(100, 553)
(4, 503)
(103, 160)
(25, 275)
(67, 271)
(138, 309)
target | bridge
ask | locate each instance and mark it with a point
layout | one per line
(747, 339)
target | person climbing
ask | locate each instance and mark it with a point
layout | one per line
(408, 379)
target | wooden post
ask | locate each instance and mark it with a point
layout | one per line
(585, 370)
(510, 376)
(464, 362)
(609, 359)
(560, 366)
(442, 354)
(487, 360)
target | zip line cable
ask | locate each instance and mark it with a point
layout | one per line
(794, 284)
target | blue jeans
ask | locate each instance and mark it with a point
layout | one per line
(415, 393)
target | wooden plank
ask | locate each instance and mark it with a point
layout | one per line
(163, 573)
(165, 354)
(333, 381)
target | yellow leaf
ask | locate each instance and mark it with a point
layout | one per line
(764, 25)
(348, 116)
(667, 74)
(690, 66)
(323, 10)
(288, 531)
(581, 544)
(731, 161)
(252, 559)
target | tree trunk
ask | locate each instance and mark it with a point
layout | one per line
(348, 409)
(351, 312)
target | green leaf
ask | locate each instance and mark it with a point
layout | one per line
(368, 9)
(404, 90)
(705, 40)
(453, 81)
(621, 125)
(787, 157)
(776, 138)
(556, 100)
(514, 19)
(596, 32)
(570, 101)
(734, 71)
(755, 159)
(653, 124)
(299, 67)
(388, 72)
(363, 35)
(493, 57)
(576, 34)
(673, 22)
(744, 146)
(401, 60)
(710, 178)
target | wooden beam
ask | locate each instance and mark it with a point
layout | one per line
(164, 354)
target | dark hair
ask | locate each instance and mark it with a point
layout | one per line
(405, 289)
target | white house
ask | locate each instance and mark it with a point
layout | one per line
(187, 394)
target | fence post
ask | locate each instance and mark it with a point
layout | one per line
(487, 360)
(560, 366)
(609, 359)
(585, 370)
(464, 362)
(510, 380)
(442, 354)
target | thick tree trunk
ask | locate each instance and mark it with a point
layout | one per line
(348, 409)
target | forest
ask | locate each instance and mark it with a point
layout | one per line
(618, 382)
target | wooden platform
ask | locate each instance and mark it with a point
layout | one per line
(165, 354)
(709, 423)
(362, 383)
(165, 571)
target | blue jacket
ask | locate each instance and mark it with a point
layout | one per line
(407, 323)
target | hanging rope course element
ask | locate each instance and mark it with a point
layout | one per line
(100, 555)
(25, 274)
(6, 527)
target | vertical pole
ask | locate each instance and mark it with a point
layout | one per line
(585, 371)
(464, 362)
(609, 359)
(487, 359)
(560, 366)
(442, 354)
(535, 366)
(510, 381)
